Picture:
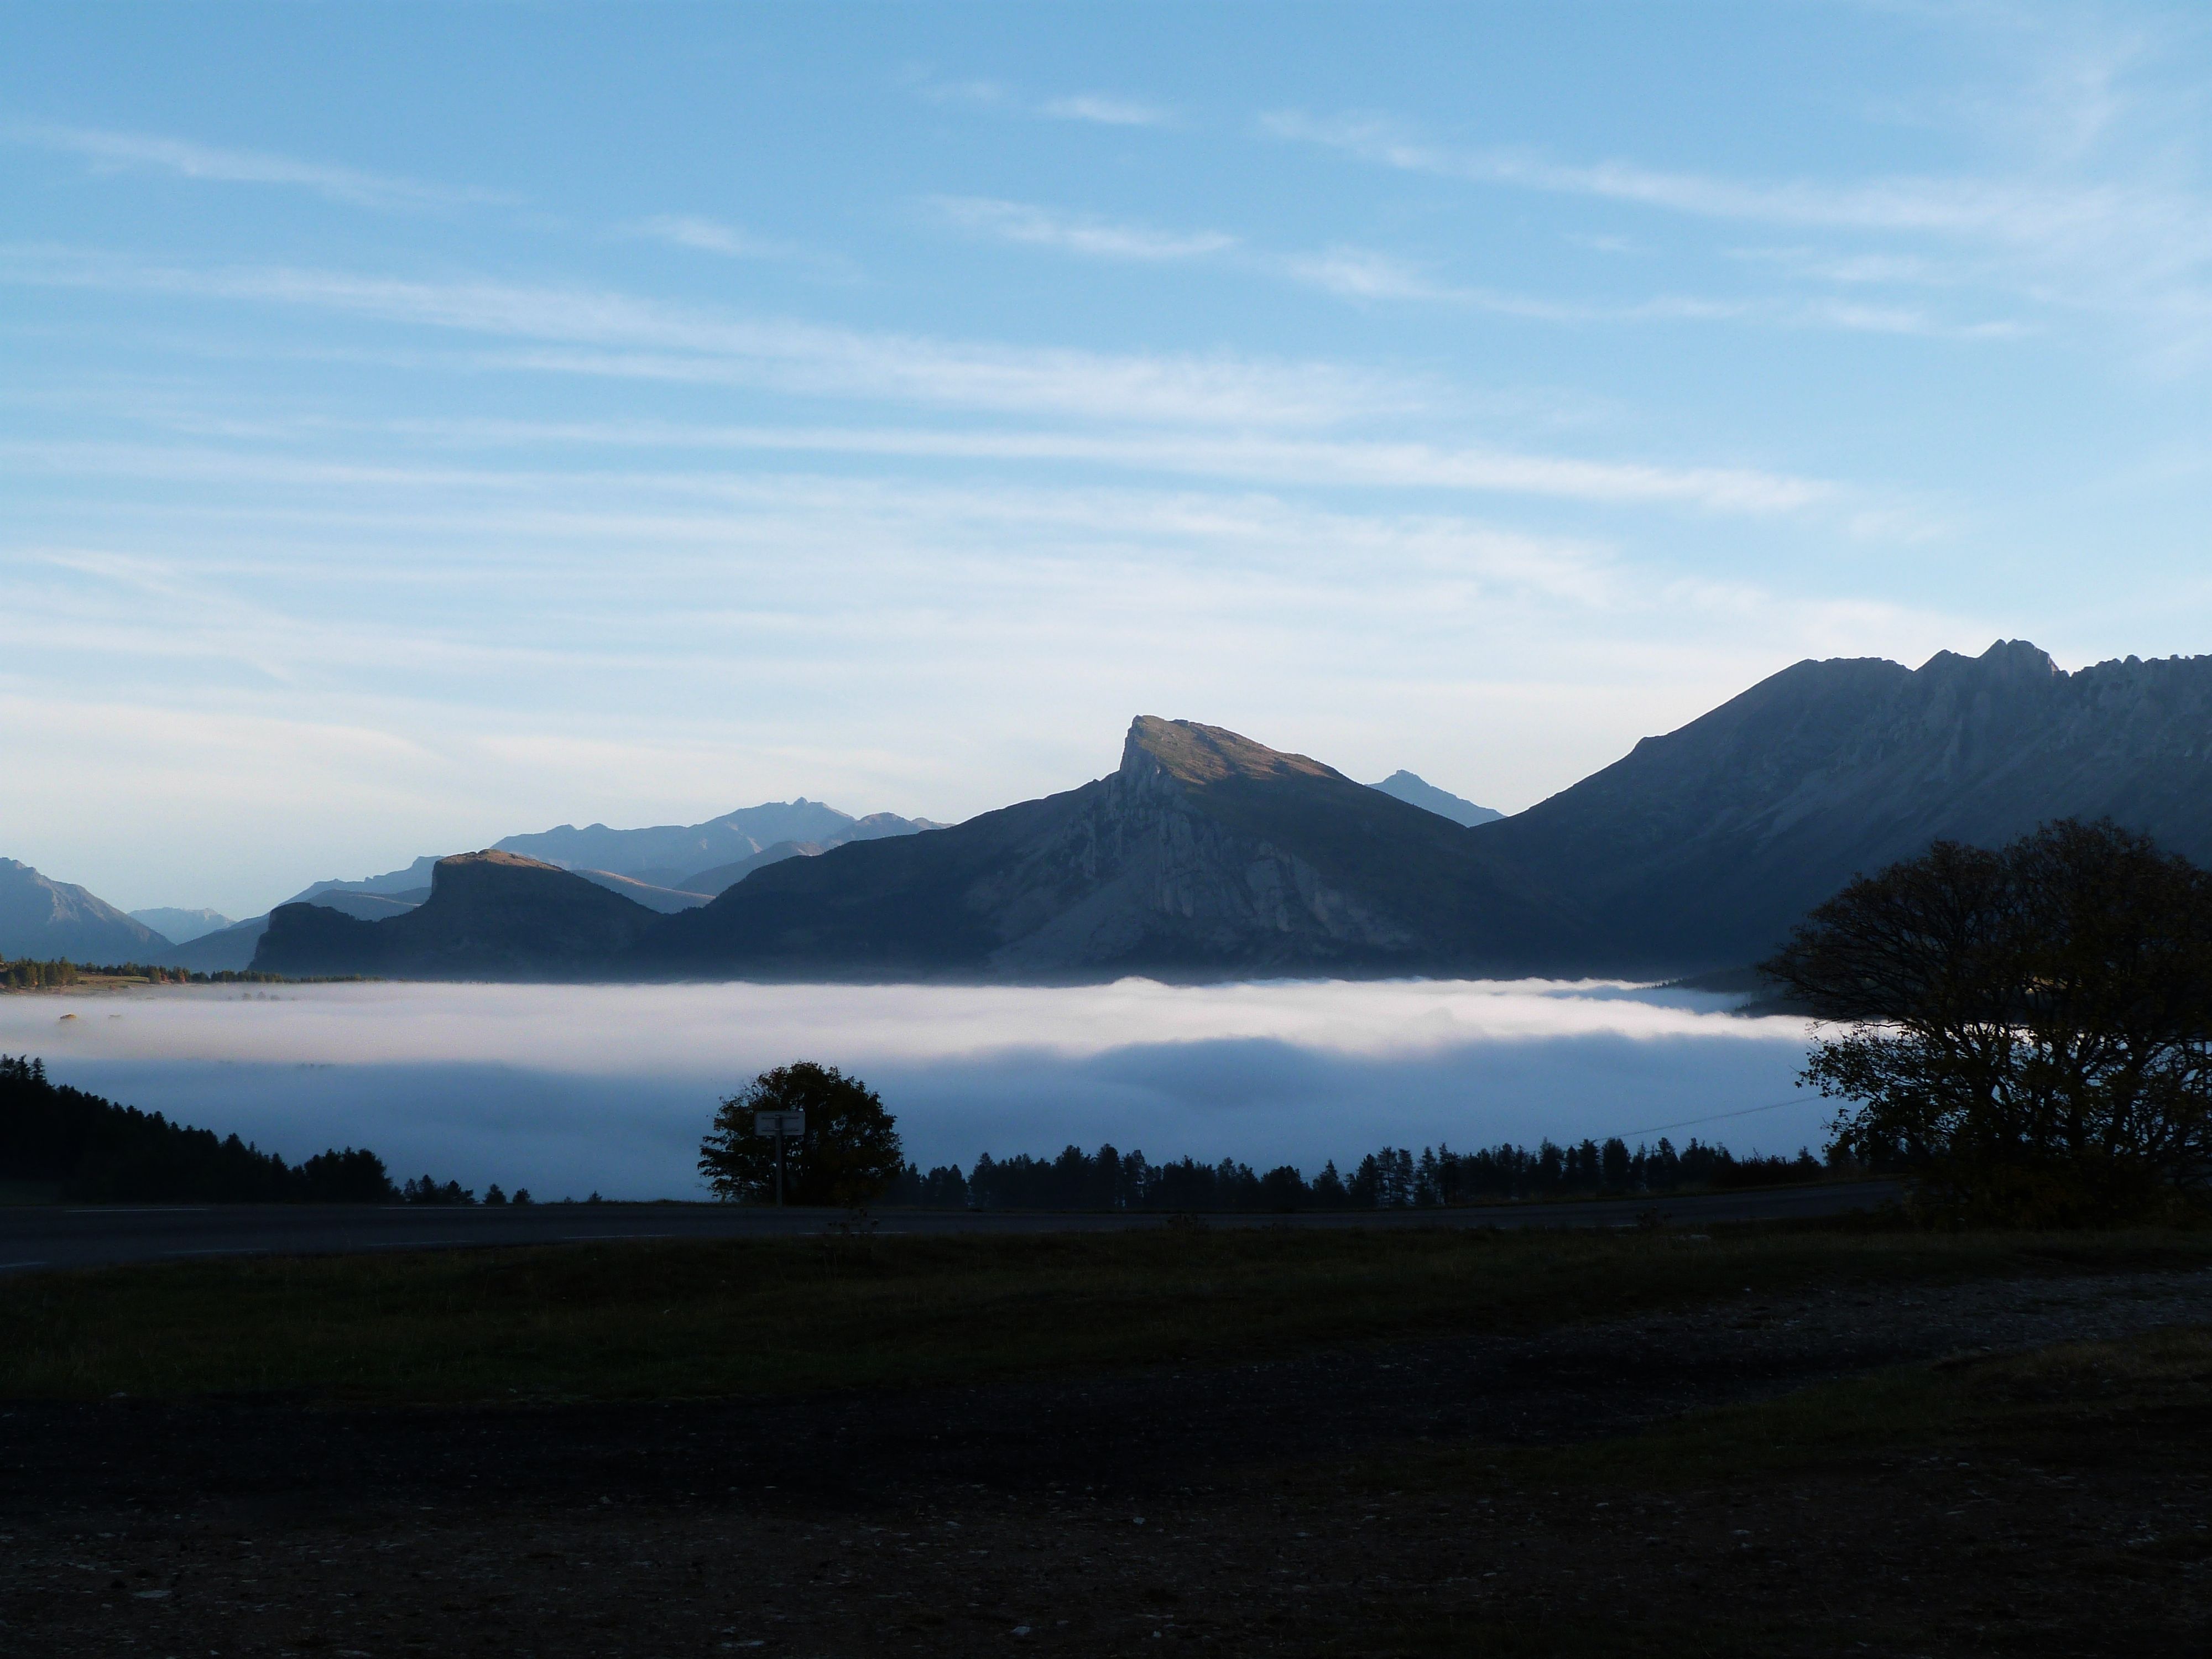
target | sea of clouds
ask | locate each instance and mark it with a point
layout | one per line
(568, 1089)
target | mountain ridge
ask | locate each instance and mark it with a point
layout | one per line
(1203, 849)
(43, 918)
(1699, 848)
(1207, 854)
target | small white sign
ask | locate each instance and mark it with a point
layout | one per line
(790, 1125)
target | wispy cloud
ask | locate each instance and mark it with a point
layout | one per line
(1105, 111)
(976, 93)
(1362, 274)
(1082, 234)
(120, 152)
(1953, 206)
(642, 338)
(1370, 276)
(1854, 270)
(705, 235)
(1282, 462)
(2127, 243)
(1102, 109)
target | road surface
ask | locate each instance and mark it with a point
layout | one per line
(40, 1236)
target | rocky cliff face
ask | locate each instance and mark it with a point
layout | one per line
(1147, 874)
(1203, 853)
(1701, 848)
(49, 919)
(489, 915)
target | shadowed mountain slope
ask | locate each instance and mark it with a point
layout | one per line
(230, 949)
(1702, 848)
(722, 878)
(49, 919)
(1206, 853)
(489, 915)
(651, 895)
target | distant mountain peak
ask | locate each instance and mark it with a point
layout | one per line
(1417, 791)
(42, 917)
(181, 927)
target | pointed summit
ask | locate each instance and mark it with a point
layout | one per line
(1204, 854)
(1202, 754)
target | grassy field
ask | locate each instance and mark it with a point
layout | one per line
(1731, 1484)
(2029, 1503)
(672, 1320)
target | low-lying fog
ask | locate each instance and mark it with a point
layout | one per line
(568, 1089)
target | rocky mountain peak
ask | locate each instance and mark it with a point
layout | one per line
(2011, 661)
(1203, 755)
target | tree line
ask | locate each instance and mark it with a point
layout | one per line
(93, 1150)
(850, 1153)
(28, 974)
(1389, 1178)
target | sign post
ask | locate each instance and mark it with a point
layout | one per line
(779, 1124)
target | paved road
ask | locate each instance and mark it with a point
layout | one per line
(34, 1237)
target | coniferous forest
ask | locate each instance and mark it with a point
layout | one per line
(93, 1150)
(1388, 1178)
(90, 1150)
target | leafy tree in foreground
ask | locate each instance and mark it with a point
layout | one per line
(2030, 1028)
(848, 1156)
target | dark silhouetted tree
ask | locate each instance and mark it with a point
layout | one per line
(850, 1154)
(2030, 1028)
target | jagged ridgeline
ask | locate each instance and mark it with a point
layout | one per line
(87, 1149)
(1206, 855)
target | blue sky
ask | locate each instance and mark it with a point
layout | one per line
(420, 425)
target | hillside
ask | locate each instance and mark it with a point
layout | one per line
(47, 919)
(1701, 848)
(723, 877)
(489, 915)
(1203, 853)
(228, 950)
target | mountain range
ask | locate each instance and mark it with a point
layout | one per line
(654, 867)
(1205, 855)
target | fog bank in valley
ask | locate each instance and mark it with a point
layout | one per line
(568, 1089)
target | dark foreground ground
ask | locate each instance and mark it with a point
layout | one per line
(1893, 1459)
(34, 1237)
